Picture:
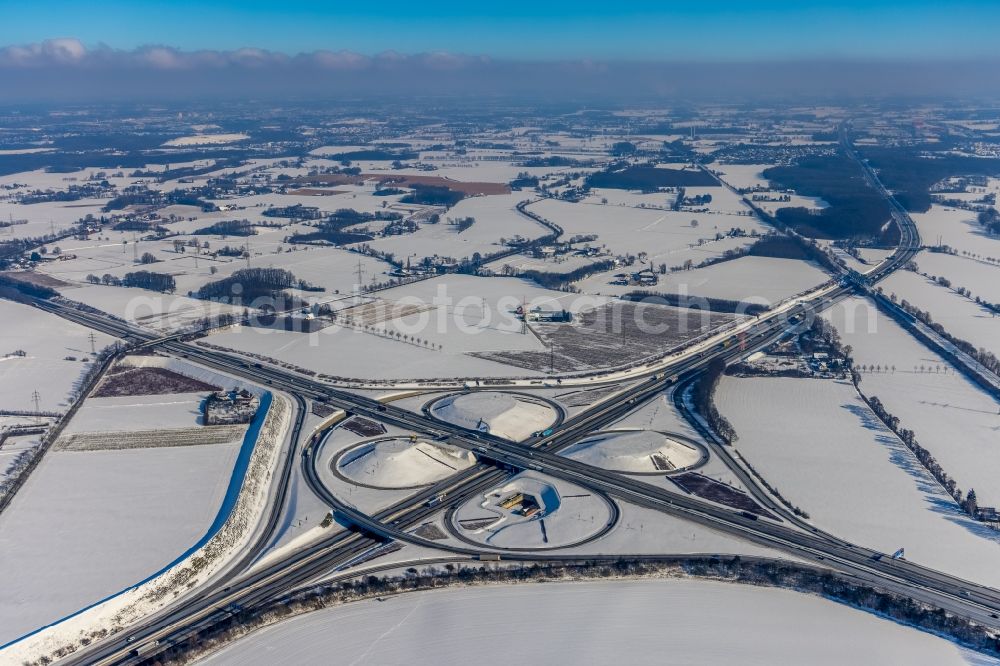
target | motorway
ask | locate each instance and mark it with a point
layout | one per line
(245, 587)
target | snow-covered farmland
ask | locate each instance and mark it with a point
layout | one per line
(352, 353)
(634, 622)
(742, 175)
(89, 524)
(959, 315)
(54, 349)
(442, 319)
(979, 277)
(626, 230)
(764, 280)
(958, 229)
(149, 309)
(952, 418)
(818, 443)
(333, 269)
(496, 218)
(148, 412)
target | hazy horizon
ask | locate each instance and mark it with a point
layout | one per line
(68, 70)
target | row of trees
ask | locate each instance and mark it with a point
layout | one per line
(703, 398)
(140, 279)
(749, 571)
(552, 280)
(984, 356)
(942, 281)
(462, 223)
(925, 457)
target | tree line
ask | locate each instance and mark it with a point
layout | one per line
(703, 399)
(140, 279)
(744, 570)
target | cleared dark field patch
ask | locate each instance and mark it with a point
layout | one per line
(322, 409)
(716, 491)
(430, 531)
(364, 427)
(37, 279)
(477, 523)
(615, 334)
(127, 381)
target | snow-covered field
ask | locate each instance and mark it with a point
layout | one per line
(352, 353)
(334, 269)
(47, 340)
(979, 277)
(633, 622)
(960, 316)
(757, 279)
(952, 418)
(818, 443)
(794, 201)
(443, 318)
(146, 412)
(956, 228)
(496, 218)
(150, 309)
(742, 175)
(205, 140)
(633, 230)
(89, 524)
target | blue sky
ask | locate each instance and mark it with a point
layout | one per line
(545, 29)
